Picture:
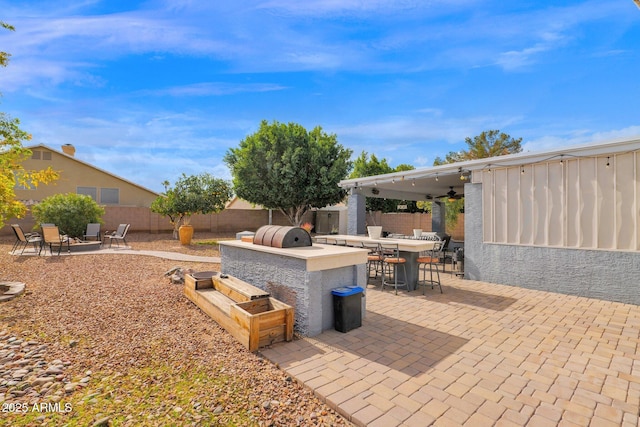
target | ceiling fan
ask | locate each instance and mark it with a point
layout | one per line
(451, 195)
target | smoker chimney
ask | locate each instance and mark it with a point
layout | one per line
(69, 149)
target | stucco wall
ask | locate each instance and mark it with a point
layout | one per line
(607, 275)
(287, 280)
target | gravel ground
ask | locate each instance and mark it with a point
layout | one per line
(117, 335)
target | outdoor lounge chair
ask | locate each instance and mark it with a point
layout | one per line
(51, 236)
(92, 232)
(25, 239)
(119, 234)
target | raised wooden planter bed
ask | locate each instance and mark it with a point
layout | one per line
(248, 313)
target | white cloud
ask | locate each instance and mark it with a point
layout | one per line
(214, 89)
(579, 137)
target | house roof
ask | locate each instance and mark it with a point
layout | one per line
(238, 203)
(432, 182)
(32, 147)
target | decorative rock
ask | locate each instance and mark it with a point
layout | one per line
(42, 380)
(102, 422)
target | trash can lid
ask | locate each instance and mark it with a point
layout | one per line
(347, 290)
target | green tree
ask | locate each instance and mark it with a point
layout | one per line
(195, 194)
(70, 212)
(285, 167)
(12, 155)
(489, 143)
(4, 56)
(365, 166)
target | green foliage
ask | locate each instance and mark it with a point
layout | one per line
(488, 144)
(70, 212)
(12, 154)
(371, 166)
(4, 56)
(195, 194)
(285, 167)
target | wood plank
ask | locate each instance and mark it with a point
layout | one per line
(220, 315)
(194, 283)
(271, 335)
(256, 306)
(237, 289)
(254, 333)
(216, 298)
(267, 326)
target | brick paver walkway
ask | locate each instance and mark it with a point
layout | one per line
(477, 355)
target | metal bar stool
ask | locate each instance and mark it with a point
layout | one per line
(430, 258)
(391, 259)
(374, 259)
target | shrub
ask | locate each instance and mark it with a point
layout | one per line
(70, 212)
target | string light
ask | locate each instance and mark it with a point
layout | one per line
(413, 183)
(522, 170)
(437, 178)
(607, 162)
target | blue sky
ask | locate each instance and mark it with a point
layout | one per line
(151, 89)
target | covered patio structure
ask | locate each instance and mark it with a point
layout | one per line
(564, 220)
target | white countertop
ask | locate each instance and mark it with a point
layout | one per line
(407, 245)
(318, 256)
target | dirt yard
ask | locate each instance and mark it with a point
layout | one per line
(114, 342)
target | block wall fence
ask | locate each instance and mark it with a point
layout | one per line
(235, 220)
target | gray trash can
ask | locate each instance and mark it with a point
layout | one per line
(347, 308)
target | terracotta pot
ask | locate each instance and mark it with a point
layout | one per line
(186, 234)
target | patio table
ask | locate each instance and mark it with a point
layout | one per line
(409, 249)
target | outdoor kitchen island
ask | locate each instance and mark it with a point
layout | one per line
(302, 277)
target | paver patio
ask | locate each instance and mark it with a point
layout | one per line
(477, 355)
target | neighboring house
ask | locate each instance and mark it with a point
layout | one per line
(80, 177)
(564, 220)
(124, 201)
(238, 203)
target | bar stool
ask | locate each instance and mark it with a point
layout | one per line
(391, 259)
(430, 258)
(374, 259)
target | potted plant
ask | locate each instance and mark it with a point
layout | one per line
(195, 194)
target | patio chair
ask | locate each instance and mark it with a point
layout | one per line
(118, 235)
(51, 236)
(92, 232)
(431, 258)
(25, 239)
(391, 260)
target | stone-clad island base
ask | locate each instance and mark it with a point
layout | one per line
(249, 314)
(302, 277)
